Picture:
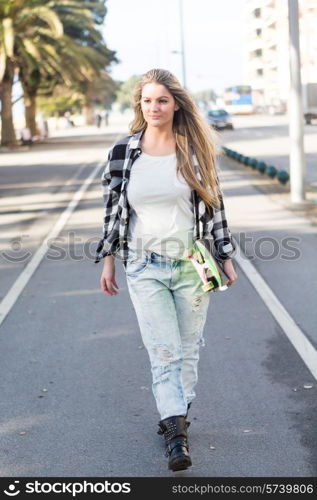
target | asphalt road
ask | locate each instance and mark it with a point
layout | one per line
(75, 379)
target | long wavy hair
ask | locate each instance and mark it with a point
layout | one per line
(190, 131)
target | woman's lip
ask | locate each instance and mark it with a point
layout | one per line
(155, 116)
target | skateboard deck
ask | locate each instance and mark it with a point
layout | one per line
(209, 270)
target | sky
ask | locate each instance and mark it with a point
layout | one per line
(144, 34)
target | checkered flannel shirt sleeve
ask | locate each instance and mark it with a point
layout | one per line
(223, 242)
(110, 203)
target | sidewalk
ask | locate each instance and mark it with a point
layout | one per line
(267, 138)
(282, 240)
(118, 123)
(276, 191)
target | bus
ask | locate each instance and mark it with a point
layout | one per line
(238, 100)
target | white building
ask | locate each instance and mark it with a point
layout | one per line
(267, 62)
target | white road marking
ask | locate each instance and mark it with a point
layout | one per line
(294, 334)
(19, 284)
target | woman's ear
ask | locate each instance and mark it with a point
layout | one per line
(176, 107)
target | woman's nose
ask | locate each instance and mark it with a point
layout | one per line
(154, 106)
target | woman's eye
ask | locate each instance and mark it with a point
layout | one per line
(160, 101)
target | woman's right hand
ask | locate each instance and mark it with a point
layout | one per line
(108, 282)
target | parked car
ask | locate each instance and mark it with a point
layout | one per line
(219, 119)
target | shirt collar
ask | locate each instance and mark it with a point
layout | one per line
(135, 143)
(135, 140)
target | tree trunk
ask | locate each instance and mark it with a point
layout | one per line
(88, 111)
(8, 137)
(29, 96)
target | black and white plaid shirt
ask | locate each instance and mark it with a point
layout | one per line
(211, 225)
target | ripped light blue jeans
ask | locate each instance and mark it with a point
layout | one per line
(171, 309)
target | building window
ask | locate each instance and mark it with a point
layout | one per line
(258, 52)
(259, 72)
(257, 12)
(258, 32)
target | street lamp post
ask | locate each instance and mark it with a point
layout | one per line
(182, 51)
(296, 128)
(182, 41)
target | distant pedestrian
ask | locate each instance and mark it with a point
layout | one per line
(98, 119)
(69, 120)
(26, 136)
(161, 193)
(45, 128)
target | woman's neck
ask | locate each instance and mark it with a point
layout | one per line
(155, 140)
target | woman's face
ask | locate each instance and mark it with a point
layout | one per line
(158, 105)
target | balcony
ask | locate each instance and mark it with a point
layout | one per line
(253, 22)
(269, 36)
(255, 63)
(255, 44)
(269, 15)
(270, 58)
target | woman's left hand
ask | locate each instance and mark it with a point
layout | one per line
(230, 271)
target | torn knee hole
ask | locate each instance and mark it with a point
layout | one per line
(165, 354)
(196, 302)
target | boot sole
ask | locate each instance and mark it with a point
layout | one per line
(180, 464)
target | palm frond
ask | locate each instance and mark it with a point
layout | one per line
(8, 36)
(42, 13)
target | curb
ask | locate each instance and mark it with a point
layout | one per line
(281, 175)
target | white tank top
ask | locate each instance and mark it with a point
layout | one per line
(161, 215)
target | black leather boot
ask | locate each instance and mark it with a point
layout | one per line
(161, 429)
(177, 449)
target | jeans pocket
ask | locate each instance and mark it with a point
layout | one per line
(136, 265)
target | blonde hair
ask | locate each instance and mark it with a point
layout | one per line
(190, 130)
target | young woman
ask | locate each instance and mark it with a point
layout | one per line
(161, 193)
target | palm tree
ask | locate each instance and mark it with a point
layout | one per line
(52, 42)
(83, 49)
(17, 25)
